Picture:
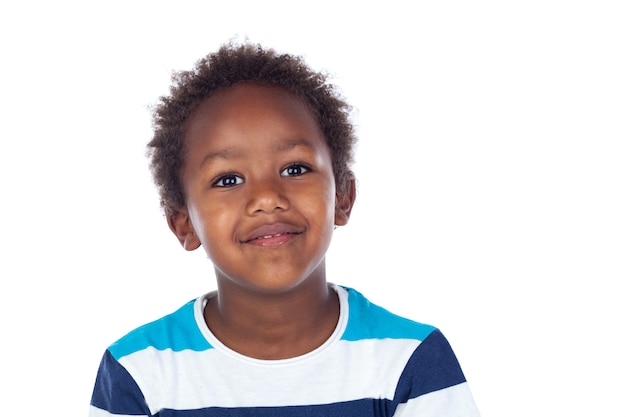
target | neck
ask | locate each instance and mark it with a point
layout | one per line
(274, 326)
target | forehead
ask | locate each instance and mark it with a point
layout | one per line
(252, 111)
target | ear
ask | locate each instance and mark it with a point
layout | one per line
(344, 201)
(180, 224)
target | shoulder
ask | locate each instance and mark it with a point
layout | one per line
(176, 331)
(367, 320)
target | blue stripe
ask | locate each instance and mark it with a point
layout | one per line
(369, 321)
(116, 391)
(177, 331)
(357, 408)
(433, 366)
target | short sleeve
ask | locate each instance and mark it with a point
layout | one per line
(432, 383)
(116, 392)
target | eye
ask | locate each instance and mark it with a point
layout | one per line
(294, 170)
(228, 180)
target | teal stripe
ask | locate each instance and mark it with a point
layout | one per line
(177, 331)
(380, 323)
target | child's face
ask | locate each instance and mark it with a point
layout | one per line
(259, 187)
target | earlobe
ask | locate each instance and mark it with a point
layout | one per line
(180, 224)
(344, 201)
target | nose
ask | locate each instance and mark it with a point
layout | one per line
(266, 196)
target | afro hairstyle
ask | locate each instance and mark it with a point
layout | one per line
(243, 63)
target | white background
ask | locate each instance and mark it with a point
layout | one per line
(492, 183)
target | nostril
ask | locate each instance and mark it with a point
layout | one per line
(267, 200)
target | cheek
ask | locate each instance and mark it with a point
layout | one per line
(209, 220)
(321, 204)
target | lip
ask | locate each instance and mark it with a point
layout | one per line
(272, 235)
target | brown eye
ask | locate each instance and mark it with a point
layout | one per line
(229, 180)
(294, 170)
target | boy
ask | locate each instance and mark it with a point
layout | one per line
(251, 154)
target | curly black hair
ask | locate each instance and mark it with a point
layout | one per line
(238, 63)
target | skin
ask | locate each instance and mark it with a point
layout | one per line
(261, 200)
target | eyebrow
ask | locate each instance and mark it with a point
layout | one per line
(233, 153)
(227, 154)
(293, 143)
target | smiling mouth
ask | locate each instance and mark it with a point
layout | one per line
(270, 241)
(272, 235)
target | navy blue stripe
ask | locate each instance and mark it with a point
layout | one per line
(116, 391)
(358, 408)
(433, 366)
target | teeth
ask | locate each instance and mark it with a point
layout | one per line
(270, 236)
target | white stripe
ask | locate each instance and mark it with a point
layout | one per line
(97, 412)
(191, 380)
(455, 401)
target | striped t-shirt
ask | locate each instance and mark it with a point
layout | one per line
(374, 364)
